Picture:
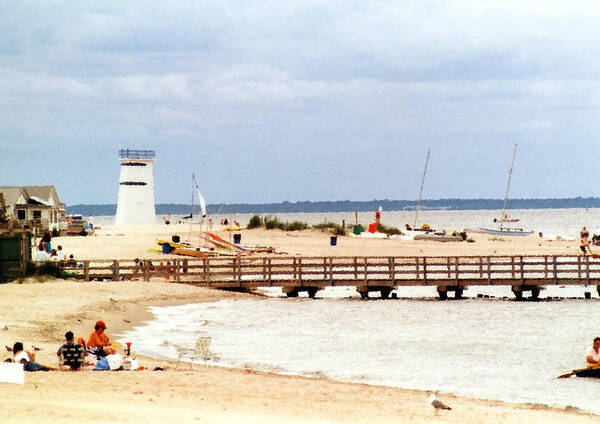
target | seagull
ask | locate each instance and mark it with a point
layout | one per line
(436, 403)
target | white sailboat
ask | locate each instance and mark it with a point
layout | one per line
(504, 218)
(425, 232)
(421, 189)
(202, 203)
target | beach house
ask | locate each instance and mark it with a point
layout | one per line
(35, 207)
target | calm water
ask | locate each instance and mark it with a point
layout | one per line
(494, 348)
(551, 222)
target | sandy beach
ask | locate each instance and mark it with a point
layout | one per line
(39, 313)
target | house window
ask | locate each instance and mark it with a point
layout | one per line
(21, 215)
(37, 214)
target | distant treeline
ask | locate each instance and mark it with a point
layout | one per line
(351, 206)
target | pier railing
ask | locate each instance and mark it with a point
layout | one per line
(360, 271)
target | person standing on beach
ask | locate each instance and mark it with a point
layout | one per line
(47, 243)
(584, 236)
(593, 356)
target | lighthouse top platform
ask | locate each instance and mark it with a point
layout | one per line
(136, 154)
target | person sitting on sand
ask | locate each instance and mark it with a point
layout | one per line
(99, 341)
(61, 255)
(53, 256)
(593, 356)
(26, 358)
(40, 254)
(71, 262)
(71, 352)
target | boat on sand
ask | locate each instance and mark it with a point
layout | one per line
(502, 229)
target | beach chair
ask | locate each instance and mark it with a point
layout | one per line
(72, 358)
(200, 351)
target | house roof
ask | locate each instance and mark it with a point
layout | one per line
(12, 194)
(45, 195)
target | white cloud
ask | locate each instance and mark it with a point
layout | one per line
(320, 77)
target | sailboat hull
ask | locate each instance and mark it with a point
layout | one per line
(504, 231)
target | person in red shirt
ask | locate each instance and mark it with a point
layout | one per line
(99, 340)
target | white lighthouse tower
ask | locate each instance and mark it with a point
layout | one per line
(136, 188)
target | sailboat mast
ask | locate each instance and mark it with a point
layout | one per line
(512, 164)
(421, 189)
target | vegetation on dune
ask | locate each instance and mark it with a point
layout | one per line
(388, 230)
(40, 272)
(255, 222)
(271, 222)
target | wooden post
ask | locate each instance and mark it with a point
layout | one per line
(521, 269)
(300, 271)
(425, 270)
(295, 277)
(115, 270)
(587, 269)
(86, 270)
(264, 269)
(177, 270)
(270, 272)
(355, 268)
(555, 269)
(456, 270)
(331, 271)
(417, 272)
(23, 254)
(512, 262)
(146, 271)
(392, 269)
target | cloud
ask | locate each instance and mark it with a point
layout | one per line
(323, 83)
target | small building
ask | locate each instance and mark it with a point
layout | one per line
(35, 207)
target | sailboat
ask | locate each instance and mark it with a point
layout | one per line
(504, 218)
(421, 190)
(425, 232)
(176, 246)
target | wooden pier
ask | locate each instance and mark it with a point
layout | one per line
(295, 274)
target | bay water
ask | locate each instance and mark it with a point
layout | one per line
(485, 346)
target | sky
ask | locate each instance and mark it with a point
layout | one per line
(271, 101)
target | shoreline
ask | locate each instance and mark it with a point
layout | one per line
(226, 394)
